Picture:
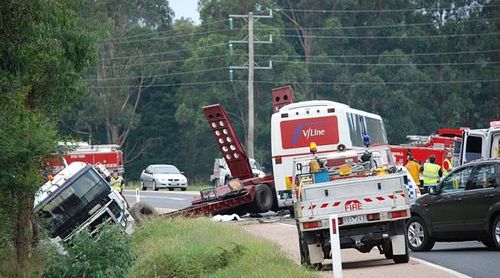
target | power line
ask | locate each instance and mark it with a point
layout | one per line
(167, 52)
(385, 55)
(162, 85)
(389, 64)
(165, 37)
(167, 62)
(374, 10)
(302, 56)
(377, 26)
(157, 75)
(171, 31)
(305, 82)
(376, 83)
(388, 37)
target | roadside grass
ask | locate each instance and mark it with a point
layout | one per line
(195, 185)
(198, 247)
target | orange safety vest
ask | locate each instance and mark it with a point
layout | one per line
(414, 170)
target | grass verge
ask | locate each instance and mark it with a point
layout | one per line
(197, 247)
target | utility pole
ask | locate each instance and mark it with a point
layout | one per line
(250, 66)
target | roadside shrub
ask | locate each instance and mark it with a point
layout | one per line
(187, 247)
(106, 254)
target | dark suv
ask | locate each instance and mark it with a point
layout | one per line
(464, 206)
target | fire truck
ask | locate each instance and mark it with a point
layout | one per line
(422, 147)
(109, 156)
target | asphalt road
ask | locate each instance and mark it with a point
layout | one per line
(162, 199)
(470, 258)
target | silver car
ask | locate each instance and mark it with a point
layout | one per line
(163, 176)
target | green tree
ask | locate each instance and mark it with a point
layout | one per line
(43, 48)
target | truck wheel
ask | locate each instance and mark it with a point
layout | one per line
(263, 198)
(402, 259)
(183, 189)
(304, 255)
(417, 236)
(141, 211)
(154, 186)
(495, 233)
(142, 186)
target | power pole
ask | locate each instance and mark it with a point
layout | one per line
(250, 66)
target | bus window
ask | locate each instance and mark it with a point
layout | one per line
(355, 129)
(376, 131)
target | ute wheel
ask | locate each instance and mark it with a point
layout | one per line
(387, 247)
(401, 259)
(183, 189)
(170, 189)
(142, 211)
(417, 235)
(142, 186)
(154, 186)
(495, 233)
(263, 198)
(304, 254)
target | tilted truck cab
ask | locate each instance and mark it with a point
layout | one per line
(78, 198)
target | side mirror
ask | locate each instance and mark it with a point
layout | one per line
(182, 172)
(433, 190)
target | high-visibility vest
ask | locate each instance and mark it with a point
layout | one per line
(314, 165)
(414, 169)
(116, 183)
(445, 171)
(431, 173)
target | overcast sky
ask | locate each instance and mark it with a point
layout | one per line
(185, 8)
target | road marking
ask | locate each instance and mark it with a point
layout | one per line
(450, 271)
(289, 225)
(159, 197)
(166, 192)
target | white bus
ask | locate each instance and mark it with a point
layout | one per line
(326, 123)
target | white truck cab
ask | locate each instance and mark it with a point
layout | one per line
(78, 198)
(481, 143)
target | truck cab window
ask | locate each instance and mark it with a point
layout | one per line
(473, 148)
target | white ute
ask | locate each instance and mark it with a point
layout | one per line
(369, 196)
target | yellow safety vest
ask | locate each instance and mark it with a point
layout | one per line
(431, 173)
(445, 173)
(116, 183)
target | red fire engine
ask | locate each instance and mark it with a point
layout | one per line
(110, 156)
(422, 147)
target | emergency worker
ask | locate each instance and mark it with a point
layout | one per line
(116, 182)
(413, 168)
(447, 164)
(431, 172)
(314, 165)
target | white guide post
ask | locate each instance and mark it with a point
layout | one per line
(335, 246)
